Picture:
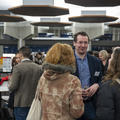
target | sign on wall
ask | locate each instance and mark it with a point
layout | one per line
(5, 64)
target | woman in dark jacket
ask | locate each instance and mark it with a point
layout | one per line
(108, 101)
(103, 56)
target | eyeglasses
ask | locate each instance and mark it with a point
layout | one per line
(81, 42)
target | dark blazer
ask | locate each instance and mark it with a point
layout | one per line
(23, 82)
(94, 68)
(96, 74)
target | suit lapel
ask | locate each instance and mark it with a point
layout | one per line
(90, 64)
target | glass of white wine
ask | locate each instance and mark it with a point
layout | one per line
(84, 90)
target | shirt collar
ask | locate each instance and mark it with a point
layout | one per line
(25, 59)
(78, 58)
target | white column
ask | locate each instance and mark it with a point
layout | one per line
(1, 37)
(1, 50)
(36, 30)
(113, 32)
(89, 45)
(118, 34)
(21, 43)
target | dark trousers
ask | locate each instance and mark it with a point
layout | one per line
(21, 113)
(11, 100)
(89, 113)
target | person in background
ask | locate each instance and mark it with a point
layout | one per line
(59, 91)
(109, 51)
(39, 58)
(108, 101)
(18, 58)
(89, 73)
(96, 54)
(15, 61)
(90, 52)
(23, 83)
(103, 56)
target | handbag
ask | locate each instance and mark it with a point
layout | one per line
(35, 110)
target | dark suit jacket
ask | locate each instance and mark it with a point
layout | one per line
(94, 68)
(96, 74)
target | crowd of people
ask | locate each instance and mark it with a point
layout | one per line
(72, 84)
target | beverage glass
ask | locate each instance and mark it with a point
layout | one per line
(84, 90)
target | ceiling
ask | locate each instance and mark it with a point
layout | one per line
(92, 18)
(94, 3)
(74, 10)
(39, 10)
(8, 18)
(52, 24)
(116, 25)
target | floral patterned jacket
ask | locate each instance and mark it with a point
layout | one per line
(60, 95)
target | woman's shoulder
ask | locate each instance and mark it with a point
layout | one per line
(110, 85)
(75, 81)
(111, 82)
(73, 77)
(107, 82)
(106, 85)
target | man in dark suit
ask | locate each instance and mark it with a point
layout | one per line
(23, 82)
(89, 73)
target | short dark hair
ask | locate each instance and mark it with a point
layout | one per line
(25, 51)
(80, 33)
